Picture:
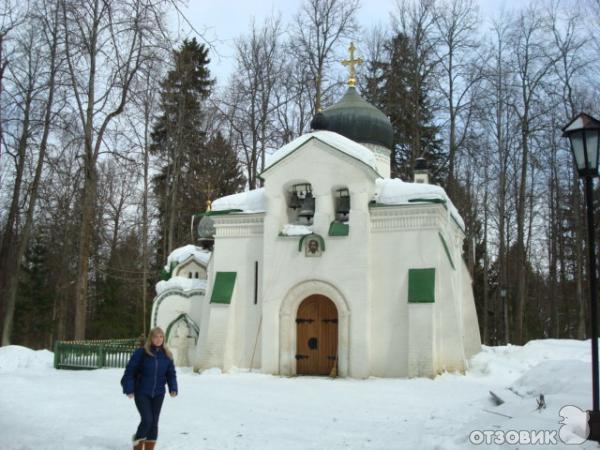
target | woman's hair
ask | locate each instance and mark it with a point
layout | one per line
(148, 344)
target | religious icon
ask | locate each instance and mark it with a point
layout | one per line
(313, 248)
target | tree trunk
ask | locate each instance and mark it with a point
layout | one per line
(85, 241)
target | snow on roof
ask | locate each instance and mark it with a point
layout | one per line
(393, 191)
(295, 230)
(249, 201)
(182, 253)
(181, 283)
(341, 143)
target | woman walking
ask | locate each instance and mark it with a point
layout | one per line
(147, 371)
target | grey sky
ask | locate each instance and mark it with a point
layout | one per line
(221, 21)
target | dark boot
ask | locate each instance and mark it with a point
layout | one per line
(139, 444)
(150, 445)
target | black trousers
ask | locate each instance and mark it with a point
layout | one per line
(149, 409)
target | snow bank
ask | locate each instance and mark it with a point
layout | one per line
(393, 191)
(554, 377)
(508, 362)
(181, 283)
(13, 357)
(335, 140)
(249, 202)
(295, 230)
(180, 254)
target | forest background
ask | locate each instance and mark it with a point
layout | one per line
(114, 132)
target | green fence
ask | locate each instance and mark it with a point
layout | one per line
(93, 354)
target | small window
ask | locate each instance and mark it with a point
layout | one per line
(301, 204)
(189, 274)
(342, 205)
(196, 274)
(421, 286)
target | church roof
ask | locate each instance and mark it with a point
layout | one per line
(182, 253)
(248, 202)
(335, 140)
(393, 191)
(356, 119)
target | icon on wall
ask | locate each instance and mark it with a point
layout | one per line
(312, 247)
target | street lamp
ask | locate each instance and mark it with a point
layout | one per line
(584, 133)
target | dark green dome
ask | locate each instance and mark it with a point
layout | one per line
(356, 119)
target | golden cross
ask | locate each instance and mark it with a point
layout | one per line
(352, 63)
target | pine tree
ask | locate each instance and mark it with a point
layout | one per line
(397, 86)
(195, 167)
(177, 138)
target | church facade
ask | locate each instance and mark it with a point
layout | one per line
(331, 267)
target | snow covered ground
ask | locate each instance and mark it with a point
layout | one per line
(42, 408)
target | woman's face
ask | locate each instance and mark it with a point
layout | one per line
(157, 339)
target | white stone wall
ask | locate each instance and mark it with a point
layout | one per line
(382, 155)
(343, 265)
(230, 334)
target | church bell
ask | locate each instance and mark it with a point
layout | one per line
(342, 205)
(308, 206)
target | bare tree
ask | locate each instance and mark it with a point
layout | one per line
(11, 16)
(320, 26)
(48, 23)
(104, 44)
(456, 23)
(532, 64)
(251, 104)
(570, 65)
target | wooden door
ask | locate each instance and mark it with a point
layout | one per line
(317, 336)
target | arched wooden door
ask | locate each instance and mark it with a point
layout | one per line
(317, 336)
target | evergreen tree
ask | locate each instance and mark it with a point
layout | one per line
(177, 137)
(398, 86)
(195, 167)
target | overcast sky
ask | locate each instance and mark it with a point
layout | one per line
(221, 21)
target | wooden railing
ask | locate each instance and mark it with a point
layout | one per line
(93, 354)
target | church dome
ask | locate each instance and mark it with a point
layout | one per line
(356, 119)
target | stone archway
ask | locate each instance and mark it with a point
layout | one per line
(287, 324)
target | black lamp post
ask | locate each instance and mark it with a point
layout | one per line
(584, 133)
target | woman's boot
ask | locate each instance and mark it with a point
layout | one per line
(138, 444)
(150, 445)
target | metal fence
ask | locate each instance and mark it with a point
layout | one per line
(93, 354)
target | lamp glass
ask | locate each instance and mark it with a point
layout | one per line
(592, 149)
(576, 138)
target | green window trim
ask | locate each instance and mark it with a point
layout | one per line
(421, 285)
(186, 319)
(223, 287)
(447, 250)
(427, 200)
(314, 236)
(339, 229)
(218, 213)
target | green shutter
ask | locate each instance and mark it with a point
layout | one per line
(421, 285)
(339, 229)
(223, 288)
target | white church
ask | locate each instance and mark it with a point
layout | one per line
(332, 267)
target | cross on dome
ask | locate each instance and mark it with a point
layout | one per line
(352, 62)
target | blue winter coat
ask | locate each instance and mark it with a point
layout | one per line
(147, 374)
